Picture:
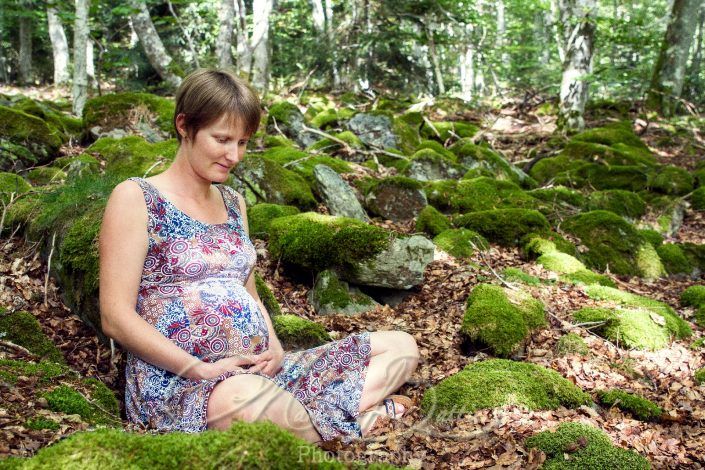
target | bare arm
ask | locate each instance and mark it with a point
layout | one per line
(123, 248)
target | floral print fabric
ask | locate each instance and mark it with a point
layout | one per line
(193, 291)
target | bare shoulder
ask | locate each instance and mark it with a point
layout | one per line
(126, 205)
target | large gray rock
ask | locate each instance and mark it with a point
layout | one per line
(337, 195)
(401, 266)
(285, 118)
(373, 129)
(396, 199)
(330, 295)
(25, 140)
(428, 165)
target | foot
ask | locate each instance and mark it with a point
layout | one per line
(392, 407)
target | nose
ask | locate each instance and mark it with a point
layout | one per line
(233, 154)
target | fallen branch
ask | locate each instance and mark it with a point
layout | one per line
(46, 278)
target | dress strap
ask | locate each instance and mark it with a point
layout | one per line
(152, 198)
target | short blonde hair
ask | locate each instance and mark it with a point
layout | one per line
(208, 94)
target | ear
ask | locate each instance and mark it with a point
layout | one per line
(180, 125)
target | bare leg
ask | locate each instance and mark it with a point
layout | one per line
(394, 358)
(253, 398)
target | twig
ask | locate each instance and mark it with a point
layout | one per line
(345, 145)
(46, 278)
(276, 127)
(11, 345)
(110, 415)
(158, 162)
(484, 260)
(6, 206)
(433, 128)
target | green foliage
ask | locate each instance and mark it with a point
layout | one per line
(24, 330)
(297, 332)
(431, 221)
(260, 216)
(517, 275)
(504, 226)
(579, 446)
(571, 343)
(693, 296)
(119, 110)
(39, 423)
(44, 371)
(500, 318)
(460, 242)
(498, 382)
(641, 408)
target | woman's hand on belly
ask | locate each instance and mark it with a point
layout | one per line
(211, 370)
(270, 361)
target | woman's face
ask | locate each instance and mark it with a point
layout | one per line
(216, 148)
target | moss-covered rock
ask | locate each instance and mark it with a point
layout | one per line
(472, 156)
(501, 319)
(697, 199)
(693, 296)
(438, 148)
(445, 130)
(639, 407)
(671, 180)
(330, 295)
(560, 198)
(318, 241)
(504, 226)
(11, 186)
(460, 242)
(478, 194)
(341, 144)
(537, 244)
(613, 242)
(696, 255)
(296, 333)
(395, 198)
(579, 446)
(498, 382)
(375, 129)
(517, 275)
(134, 156)
(652, 236)
(271, 141)
(619, 201)
(331, 117)
(244, 445)
(264, 180)
(77, 166)
(25, 140)
(120, 110)
(68, 126)
(267, 296)
(260, 216)
(429, 165)
(24, 330)
(286, 118)
(560, 263)
(45, 372)
(674, 259)
(44, 175)
(431, 221)
(587, 277)
(571, 343)
(304, 163)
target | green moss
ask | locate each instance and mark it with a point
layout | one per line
(517, 275)
(260, 216)
(674, 259)
(674, 324)
(478, 194)
(267, 296)
(587, 277)
(64, 399)
(472, 155)
(244, 445)
(46, 175)
(498, 382)
(652, 236)
(406, 128)
(613, 242)
(44, 371)
(431, 221)
(102, 396)
(501, 319)
(639, 407)
(693, 296)
(134, 156)
(305, 163)
(695, 254)
(627, 177)
(317, 241)
(567, 170)
(571, 343)
(330, 295)
(460, 242)
(68, 126)
(699, 376)
(268, 181)
(39, 423)
(697, 199)
(535, 244)
(271, 141)
(579, 446)
(560, 263)
(700, 316)
(77, 166)
(282, 112)
(671, 180)
(333, 146)
(12, 185)
(40, 140)
(438, 148)
(561, 196)
(619, 201)
(24, 330)
(445, 130)
(79, 250)
(504, 226)
(368, 185)
(118, 109)
(698, 343)
(616, 154)
(299, 333)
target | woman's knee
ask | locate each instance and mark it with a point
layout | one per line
(400, 343)
(236, 398)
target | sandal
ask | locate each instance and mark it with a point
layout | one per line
(390, 405)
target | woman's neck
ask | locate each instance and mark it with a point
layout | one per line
(180, 179)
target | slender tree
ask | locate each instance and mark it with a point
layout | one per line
(157, 55)
(226, 15)
(25, 57)
(80, 44)
(59, 45)
(577, 20)
(669, 72)
(259, 73)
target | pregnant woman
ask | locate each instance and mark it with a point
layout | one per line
(177, 291)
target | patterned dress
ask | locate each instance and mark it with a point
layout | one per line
(192, 291)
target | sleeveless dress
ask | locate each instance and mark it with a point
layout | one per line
(192, 291)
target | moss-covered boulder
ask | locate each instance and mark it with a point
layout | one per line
(260, 216)
(619, 201)
(693, 296)
(579, 446)
(77, 166)
(304, 163)
(331, 117)
(571, 343)
(341, 144)
(537, 244)
(297, 333)
(498, 382)
(286, 118)
(671, 180)
(639, 407)
(697, 199)
(263, 180)
(102, 408)
(570, 269)
(26, 140)
(244, 445)
(431, 221)
(44, 175)
(613, 242)
(428, 165)
(478, 194)
(267, 296)
(517, 275)
(559, 201)
(330, 295)
(129, 109)
(447, 130)
(504, 226)
(460, 242)
(500, 319)
(337, 195)
(674, 259)
(134, 156)
(24, 330)
(652, 236)
(381, 129)
(473, 156)
(11, 186)
(395, 198)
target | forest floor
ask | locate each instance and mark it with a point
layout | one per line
(432, 313)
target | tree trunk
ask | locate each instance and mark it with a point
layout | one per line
(319, 17)
(259, 77)
(226, 15)
(502, 32)
(330, 36)
(467, 67)
(59, 47)
(577, 19)
(434, 57)
(557, 29)
(80, 43)
(25, 56)
(669, 73)
(244, 52)
(152, 44)
(696, 64)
